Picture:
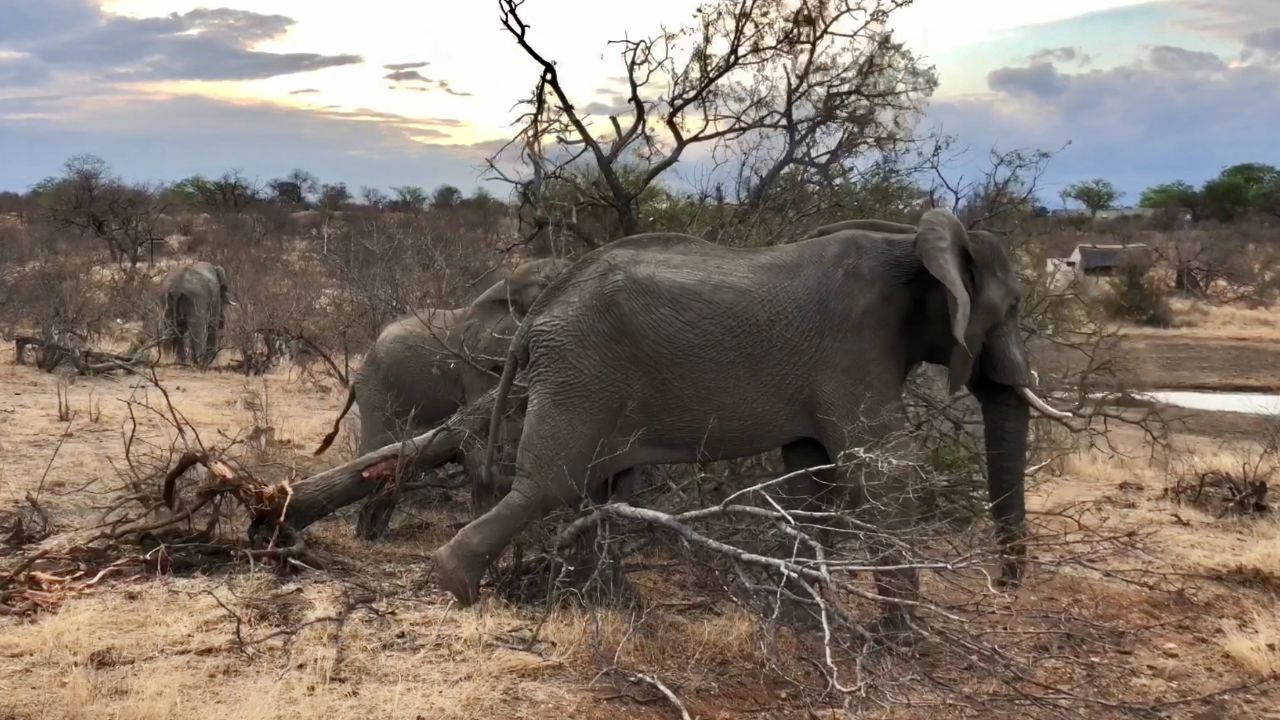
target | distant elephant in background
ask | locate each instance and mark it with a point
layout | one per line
(195, 297)
(665, 348)
(426, 365)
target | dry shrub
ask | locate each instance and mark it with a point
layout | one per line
(1138, 296)
(1234, 263)
(276, 301)
(62, 293)
(1223, 493)
(57, 298)
(332, 294)
(1254, 645)
(1231, 482)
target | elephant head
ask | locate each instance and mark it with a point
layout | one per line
(492, 318)
(972, 329)
(518, 292)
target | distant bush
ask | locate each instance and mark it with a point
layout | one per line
(1138, 296)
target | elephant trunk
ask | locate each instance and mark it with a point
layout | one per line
(1005, 418)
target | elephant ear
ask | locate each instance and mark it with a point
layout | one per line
(943, 247)
(485, 329)
(523, 288)
(518, 292)
(496, 294)
(223, 288)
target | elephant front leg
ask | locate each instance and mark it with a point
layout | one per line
(375, 515)
(461, 562)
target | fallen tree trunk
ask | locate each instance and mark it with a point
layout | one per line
(305, 501)
(86, 361)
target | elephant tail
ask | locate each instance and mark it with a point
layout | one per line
(515, 354)
(328, 439)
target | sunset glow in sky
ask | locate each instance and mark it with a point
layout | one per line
(166, 88)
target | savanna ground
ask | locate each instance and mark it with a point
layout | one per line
(369, 635)
(1136, 605)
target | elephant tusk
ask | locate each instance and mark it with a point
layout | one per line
(1041, 406)
(1035, 379)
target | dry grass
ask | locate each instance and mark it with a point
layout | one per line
(1096, 468)
(1199, 319)
(164, 648)
(91, 660)
(1193, 540)
(1254, 644)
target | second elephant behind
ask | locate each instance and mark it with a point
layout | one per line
(427, 365)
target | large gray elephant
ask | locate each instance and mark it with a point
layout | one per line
(195, 298)
(426, 365)
(664, 348)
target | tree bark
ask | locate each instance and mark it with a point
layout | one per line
(313, 498)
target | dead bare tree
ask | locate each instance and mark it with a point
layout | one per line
(1001, 193)
(773, 88)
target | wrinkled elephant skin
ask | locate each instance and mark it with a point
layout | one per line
(430, 363)
(664, 348)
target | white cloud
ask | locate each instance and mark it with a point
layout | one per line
(935, 26)
(1176, 114)
(147, 137)
(75, 36)
(1163, 116)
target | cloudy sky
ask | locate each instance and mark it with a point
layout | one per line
(393, 92)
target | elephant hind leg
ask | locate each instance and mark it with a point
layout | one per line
(180, 346)
(595, 557)
(198, 334)
(374, 517)
(846, 488)
(185, 328)
(812, 491)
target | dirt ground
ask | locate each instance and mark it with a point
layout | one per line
(1210, 347)
(1177, 362)
(371, 636)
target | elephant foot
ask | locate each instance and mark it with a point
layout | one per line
(458, 574)
(1012, 571)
